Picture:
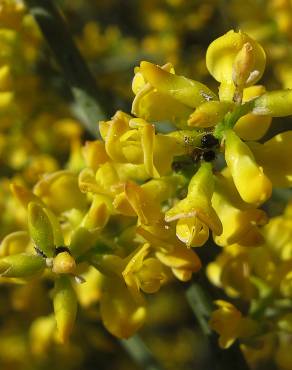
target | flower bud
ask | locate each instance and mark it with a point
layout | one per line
(64, 263)
(275, 104)
(81, 241)
(99, 212)
(21, 265)
(40, 229)
(233, 55)
(243, 64)
(210, 113)
(195, 212)
(14, 243)
(243, 168)
(189, 92)
(65, 307)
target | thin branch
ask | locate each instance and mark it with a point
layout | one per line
(138, 351)
(74, 69)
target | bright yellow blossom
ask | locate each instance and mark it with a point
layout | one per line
(195, 213)
(229, 323)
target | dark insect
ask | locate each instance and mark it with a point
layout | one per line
(208, 156)
(62, 249)
(39, 252)
(197, 154)
(209, 141)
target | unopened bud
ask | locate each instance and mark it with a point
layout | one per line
(243, 65)
(65, 307)
(40, 229)
(64, 263)
(21, 265)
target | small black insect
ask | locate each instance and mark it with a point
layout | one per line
(196, 155)
(208, 156)
(209, 141)
(62, 249)
(39, 252)
(177, 166)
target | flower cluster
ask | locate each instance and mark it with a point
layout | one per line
(186, 164)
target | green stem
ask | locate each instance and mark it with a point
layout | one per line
(231, 118)
(74, 69)
(201, 306)
(138, 351)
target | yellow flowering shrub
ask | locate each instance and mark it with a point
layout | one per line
(96, 230)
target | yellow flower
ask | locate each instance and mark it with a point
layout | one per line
(141, 273)
(252, 126)
(235, 59)
(145, 200)
(278, 235)
(274, 157)
(243, 167)
(133, 201)
(94, 154)
(122, 305)
(195, 213)
(133, 141)
(182, 261)
(121, 314)
(51, 190)
(238, 218)
(163, 96)
(229, 323)
(232, 271)
(41, 334)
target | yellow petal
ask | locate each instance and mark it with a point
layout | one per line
(121, 314)
(243, 167)
(189, 92)
(274, 157)
(222, 53)
(237, 218)
(198, 201)
(210, 113)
